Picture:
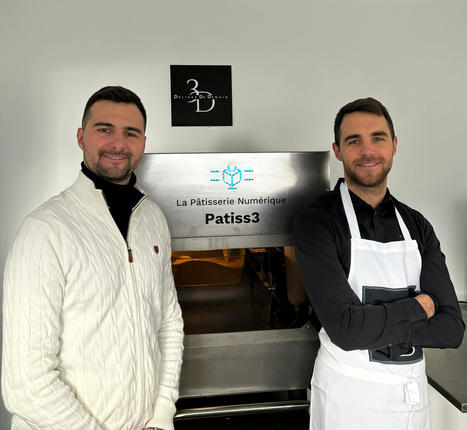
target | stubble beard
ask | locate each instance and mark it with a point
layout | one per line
(368, 182)
(113, 174)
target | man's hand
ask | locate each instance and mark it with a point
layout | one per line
(427, 304)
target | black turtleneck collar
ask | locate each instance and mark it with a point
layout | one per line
(121, 199)
(103, 184)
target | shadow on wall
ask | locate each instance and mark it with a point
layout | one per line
(459, 228)
(5, 417)
(462, 237)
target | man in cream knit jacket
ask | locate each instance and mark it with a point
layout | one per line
(93, 333)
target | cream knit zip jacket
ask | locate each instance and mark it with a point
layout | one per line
(93, 339)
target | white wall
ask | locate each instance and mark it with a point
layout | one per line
(294, 64)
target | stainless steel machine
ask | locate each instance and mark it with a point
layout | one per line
(248, 345)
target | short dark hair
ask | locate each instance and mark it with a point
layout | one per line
(369, 105)
(115, 94)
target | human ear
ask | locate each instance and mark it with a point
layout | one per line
(79, 137)
(337, 151)
(394, 146)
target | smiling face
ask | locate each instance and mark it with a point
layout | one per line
(366, 150)
(112, 140)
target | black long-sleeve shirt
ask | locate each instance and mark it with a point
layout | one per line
(322, 243)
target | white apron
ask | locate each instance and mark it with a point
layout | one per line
(364, 389)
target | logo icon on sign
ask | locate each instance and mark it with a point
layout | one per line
(200, 97)
(232, 175)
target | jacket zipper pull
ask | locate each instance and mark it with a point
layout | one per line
(130, 256)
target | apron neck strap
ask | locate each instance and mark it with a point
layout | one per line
(402, 226)
(349, 212)
(352, 218)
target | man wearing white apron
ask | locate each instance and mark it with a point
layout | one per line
(378, 283)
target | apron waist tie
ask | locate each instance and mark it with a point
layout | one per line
(411, 387)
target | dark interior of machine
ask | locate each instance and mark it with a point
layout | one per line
(242, 289)
(234, 290)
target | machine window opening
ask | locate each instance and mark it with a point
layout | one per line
(240, 289)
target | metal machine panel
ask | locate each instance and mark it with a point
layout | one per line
(248, 362)
(218, 201)
(224, 200)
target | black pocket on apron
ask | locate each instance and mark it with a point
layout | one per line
(396, 354)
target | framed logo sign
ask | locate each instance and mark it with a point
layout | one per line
(201, 95)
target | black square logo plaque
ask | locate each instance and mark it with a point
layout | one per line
(201, 95)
